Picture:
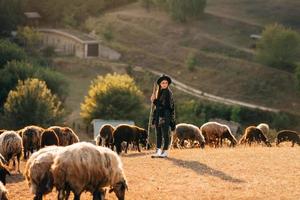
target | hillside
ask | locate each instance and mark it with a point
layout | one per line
(224, 173)
(220, 43)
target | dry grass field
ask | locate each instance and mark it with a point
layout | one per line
(224, 173)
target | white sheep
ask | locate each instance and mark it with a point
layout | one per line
(185, 131)
(37, 171)
(11, 146)
(3, 192)
(87, 167)
(264, 128)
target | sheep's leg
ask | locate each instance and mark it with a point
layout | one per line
(18, 159)
(25, 155)
(138, 146)
(38, 197)
(293, 143)
(76, 196)
(126, 148)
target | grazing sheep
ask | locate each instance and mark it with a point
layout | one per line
(66, 135)
(129, 133)
(3, 172)
(185, 131)
(253, 134)
(287, 135)
(37, 171)
(90, 168)
(49, 138)
(214, 133)
(105, 137)
(3, 192)
(11, 146)
(31, 139)
(264, 128)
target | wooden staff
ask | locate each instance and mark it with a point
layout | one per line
(154, 92)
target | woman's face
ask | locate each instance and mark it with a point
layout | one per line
(164, 84)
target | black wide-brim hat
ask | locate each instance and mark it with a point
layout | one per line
(164, 77)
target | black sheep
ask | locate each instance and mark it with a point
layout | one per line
(49, 138)
(287, 135)
(129, 133)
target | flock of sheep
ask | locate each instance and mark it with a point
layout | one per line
(61, 161)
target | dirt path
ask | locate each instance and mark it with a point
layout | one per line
(203, 95)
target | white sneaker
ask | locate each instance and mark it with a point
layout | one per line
(164, 154)
(157, 154)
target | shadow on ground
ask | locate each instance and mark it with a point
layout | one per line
(203, 169)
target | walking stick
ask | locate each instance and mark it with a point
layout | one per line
(151, 114)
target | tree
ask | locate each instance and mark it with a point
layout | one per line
(32, 103)
(10, 51)
(113, 96)
(182, 10)
(29, 38)
(21, 70)
(279, 47)
(11, 13)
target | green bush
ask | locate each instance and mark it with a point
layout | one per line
(10, 51)
(191, 62)
(15, 71)
(279, 47)
(31, 103)
(113, 96)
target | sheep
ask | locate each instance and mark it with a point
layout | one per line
(11, 146)
(90, 168)
(287, 135)
(3, 192)
(105, 137)
(37, 171)
(66, 135)
(254, 134)
(129, 133)
(185, 131)
(264, 128)
(31, 139)
(215, 132)
(48, 138)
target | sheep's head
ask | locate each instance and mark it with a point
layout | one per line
(143, 137)
(119, 189)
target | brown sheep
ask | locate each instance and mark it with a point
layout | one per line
(90, 168)
(129, 133)
(105, 137)
(11, 146)
(214, 133)
(49, 138)
(287, 135)
(31, 139)
(253, 134)
(37, 171)
(185, 131)
(66, 135)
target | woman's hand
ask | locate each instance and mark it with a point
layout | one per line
(152, 98)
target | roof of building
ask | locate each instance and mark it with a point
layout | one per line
(32, 15)
(76, 35)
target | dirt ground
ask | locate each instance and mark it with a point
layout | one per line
(224, 173)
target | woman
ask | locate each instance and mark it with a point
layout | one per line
(164, 115)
